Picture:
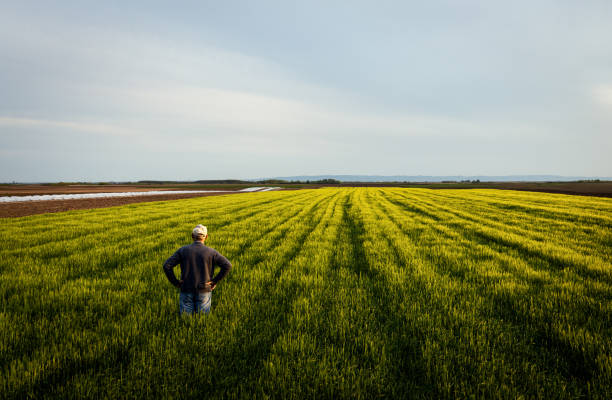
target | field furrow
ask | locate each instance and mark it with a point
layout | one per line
(551, 255)
(562, 231)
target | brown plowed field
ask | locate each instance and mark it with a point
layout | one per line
(599, 189)
(28, 190)
(22, 209)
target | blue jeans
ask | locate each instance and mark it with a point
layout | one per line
(194, 302)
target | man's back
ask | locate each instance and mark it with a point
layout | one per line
(197, 267)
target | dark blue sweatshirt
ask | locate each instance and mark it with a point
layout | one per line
(197, 267)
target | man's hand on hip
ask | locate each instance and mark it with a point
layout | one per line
(211, 284)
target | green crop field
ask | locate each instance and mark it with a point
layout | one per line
(335, 293)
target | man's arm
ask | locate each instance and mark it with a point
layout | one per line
(224, 264)
(170, 263)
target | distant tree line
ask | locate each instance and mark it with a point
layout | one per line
(204, 182)
(238, 181)
(463, 181)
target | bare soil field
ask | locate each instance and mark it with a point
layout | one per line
(28, 190)
(49, 206)
(600, 189)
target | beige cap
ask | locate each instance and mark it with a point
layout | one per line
(199, 230)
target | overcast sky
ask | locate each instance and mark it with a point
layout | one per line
(94, 90)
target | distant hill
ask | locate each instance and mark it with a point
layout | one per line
(427, 178)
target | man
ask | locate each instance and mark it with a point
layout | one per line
(197, 266)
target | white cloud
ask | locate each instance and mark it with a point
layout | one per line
(161, 87)
(97, 128)
(602, 94)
